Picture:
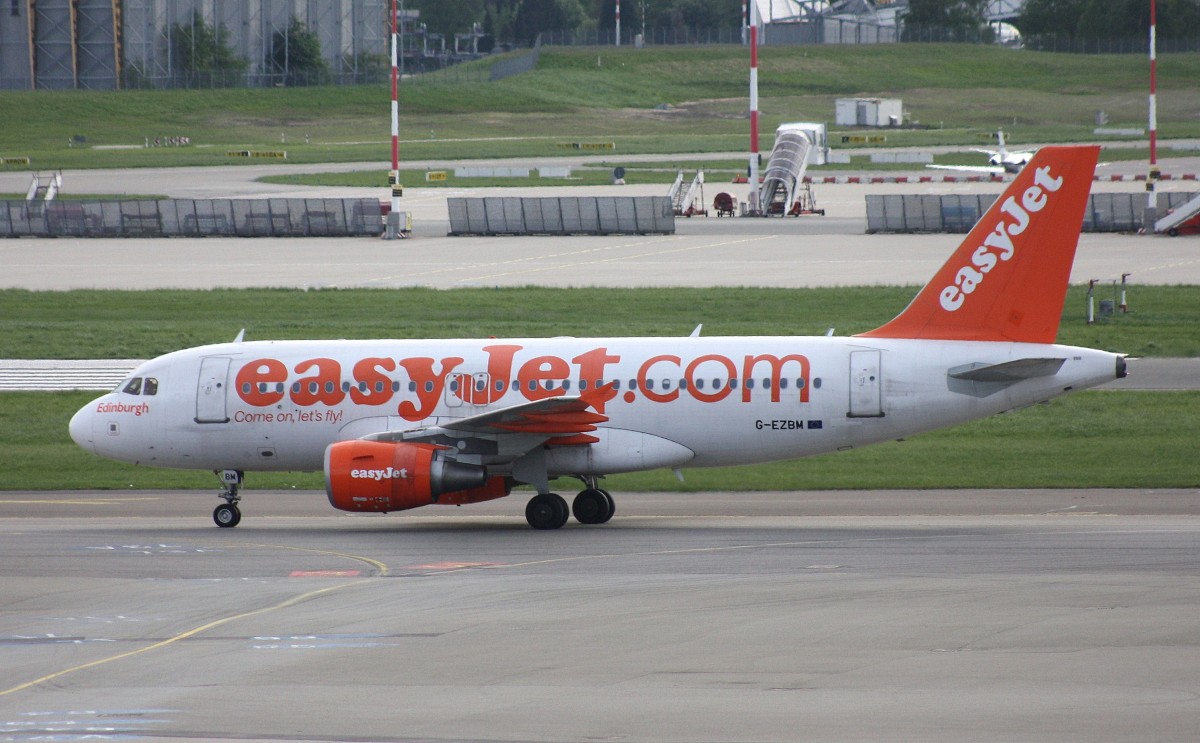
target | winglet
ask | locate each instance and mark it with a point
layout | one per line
(1007, 281)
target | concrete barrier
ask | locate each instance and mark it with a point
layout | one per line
(567, 215)
(193, 218)
(1105, 212)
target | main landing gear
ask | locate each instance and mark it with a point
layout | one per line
(592, 506)
(227, 514)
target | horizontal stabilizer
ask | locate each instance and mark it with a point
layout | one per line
(1009, 371)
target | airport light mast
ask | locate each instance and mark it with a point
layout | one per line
(394, 228)
(753, 174)
(1152, 204)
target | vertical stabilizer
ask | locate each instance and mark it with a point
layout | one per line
(1007, 281)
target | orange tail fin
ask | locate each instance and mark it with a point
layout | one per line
(1008, 279)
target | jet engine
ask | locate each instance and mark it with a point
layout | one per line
(382, 476)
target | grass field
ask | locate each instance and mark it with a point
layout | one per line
(123, 324)
(1091, 439)
(677, 99)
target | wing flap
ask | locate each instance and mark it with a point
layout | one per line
(555, 421)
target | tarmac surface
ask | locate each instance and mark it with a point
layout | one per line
(1062, 615)
(832, 250)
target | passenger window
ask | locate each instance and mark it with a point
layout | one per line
(733, 383)
(666, 384)
(134, 386)
(766, 383)
(700, 384)
(649, 384)
(566, 385)
(150, 387)
(783, 384)
(750, 383)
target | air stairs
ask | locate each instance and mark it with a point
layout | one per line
(44, 188)
(688, 203)
(783, 191)
(1183, 220)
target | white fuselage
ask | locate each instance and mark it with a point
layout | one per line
(670, 402)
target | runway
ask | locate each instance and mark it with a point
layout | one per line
(937, 615)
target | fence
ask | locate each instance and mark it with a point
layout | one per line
(1105, 212)
(568, 215)
(193, 218)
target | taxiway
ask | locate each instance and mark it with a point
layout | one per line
(940, 616)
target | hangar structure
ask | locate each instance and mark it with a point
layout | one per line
(108, 44)
(850, 21)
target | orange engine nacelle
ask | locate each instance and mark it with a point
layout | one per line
(383, 476)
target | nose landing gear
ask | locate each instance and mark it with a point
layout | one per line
(228, 514)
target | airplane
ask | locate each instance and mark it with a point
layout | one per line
(1000, 161)
(398, 424)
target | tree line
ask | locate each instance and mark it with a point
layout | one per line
(1082, 20)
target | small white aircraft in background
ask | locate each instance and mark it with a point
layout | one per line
(1000, 161)
(397, 424)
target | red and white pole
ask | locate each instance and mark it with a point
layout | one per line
(395, 92)
(1153, 86)
(394, 227)
(1151, 202)
(618, 17)
(754, 208)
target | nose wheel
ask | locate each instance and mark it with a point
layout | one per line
(228, 515)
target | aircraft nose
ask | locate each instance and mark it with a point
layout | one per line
(81, 428)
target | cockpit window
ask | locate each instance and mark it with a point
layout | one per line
(139, 386)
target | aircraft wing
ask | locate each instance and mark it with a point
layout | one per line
(512, 431)
(993, 169)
